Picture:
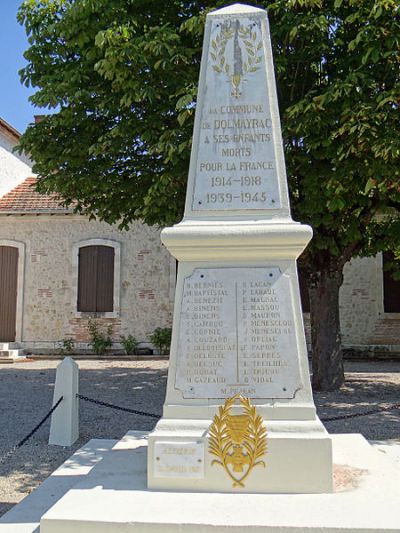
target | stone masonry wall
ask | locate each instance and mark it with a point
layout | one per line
(147, 285)
(49, 292)
(364, 324)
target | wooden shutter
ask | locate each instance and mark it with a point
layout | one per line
(8, 292)
(96, 279)
(391, 287)
(87, 278)
(105, 279)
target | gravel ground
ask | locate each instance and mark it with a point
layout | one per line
(26, 391)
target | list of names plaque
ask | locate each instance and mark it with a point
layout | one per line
(237, 334)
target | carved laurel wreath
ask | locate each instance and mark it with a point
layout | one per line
(252, 47)
(233, 455)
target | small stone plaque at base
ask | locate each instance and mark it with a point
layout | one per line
(179, 459)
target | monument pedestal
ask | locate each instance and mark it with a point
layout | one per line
(114, 498)
(298, 460)
(238, 281)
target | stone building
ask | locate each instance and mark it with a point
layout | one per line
(58, 269)
(369, 307)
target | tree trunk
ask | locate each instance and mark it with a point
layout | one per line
(327, 357)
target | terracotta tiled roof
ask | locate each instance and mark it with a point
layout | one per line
(24, 199)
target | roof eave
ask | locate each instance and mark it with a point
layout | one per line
(15, 133)
(36, 212)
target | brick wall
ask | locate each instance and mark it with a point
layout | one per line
(79, 330)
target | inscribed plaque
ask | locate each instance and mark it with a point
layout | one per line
(236, 152)
(179, 459)
(237, 334)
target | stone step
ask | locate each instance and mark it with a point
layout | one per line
(10, 355)
(6, 361)
(8, 346)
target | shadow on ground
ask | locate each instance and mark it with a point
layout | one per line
(362, 393)
(26, 396)
(5, 506)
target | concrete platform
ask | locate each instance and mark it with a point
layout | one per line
(113, 497)
(25, 516)
(102, 488)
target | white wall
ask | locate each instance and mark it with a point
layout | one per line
(14, 169)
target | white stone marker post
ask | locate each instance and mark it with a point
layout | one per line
(64, 428)
(238, 322)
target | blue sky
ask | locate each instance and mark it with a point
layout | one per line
(14, 105)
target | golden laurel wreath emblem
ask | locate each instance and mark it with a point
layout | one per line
(239, 441)
(246, 56)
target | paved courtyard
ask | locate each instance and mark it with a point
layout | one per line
(26, 392)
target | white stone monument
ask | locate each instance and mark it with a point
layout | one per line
(238, 323)
(237, 329)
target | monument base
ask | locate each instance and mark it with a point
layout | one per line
(114, 497)
(298, 459)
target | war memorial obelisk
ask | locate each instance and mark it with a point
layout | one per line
(239, 445)
(238, 329)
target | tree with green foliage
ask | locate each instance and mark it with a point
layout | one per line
(122, 76)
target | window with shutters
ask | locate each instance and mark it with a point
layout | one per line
(391, 286)
(97, 277)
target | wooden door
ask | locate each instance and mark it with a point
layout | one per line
(8, 292)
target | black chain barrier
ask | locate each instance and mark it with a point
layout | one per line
(152, 415)
(31, 433)
(364, 413)
(126, 409)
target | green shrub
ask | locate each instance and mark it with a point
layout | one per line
(161, 337)
(66, 346)
(99, 341)
(129, 343)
